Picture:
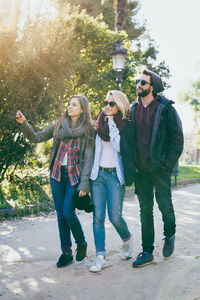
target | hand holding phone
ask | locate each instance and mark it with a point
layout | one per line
(20, 118)
(109, 118)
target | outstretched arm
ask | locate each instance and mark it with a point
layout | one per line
(28, 131)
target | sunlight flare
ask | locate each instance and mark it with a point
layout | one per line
(14, 14)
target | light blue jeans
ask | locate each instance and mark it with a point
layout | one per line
(106, 188)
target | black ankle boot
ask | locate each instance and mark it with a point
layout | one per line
(168, 247)
(81, 251)
(64, 260)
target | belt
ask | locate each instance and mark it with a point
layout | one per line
(107, 170)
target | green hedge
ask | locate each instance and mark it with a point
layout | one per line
(22, 192)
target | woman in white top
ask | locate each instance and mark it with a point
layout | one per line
(107, 176)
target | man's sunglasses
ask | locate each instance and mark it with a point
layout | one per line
(143, 82)
(111, 103)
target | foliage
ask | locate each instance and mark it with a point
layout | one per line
(71, 56)
(144, 53)
(21, 191)
(47, 61)
(192, 96)
(107, 9)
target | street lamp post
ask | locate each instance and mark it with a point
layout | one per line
(118, 58)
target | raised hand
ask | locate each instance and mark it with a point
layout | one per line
(109, 118)
(20, 118)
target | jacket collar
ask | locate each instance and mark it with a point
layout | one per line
(162, 99)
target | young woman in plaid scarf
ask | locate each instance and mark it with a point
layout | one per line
(70, 167)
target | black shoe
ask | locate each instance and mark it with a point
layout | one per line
(168, 247)
(81, 251)
(64, 260)
(143, 259)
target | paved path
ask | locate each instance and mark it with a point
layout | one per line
(29, 249)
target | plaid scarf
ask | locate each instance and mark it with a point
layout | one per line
(72, 147)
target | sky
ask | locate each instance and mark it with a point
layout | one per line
(175, 25)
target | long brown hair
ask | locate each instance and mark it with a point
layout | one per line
(84, 120)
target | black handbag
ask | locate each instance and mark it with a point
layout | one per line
(83, 203)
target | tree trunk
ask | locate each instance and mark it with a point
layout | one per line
(120, 12)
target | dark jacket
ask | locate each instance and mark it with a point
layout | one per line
(86, 150)
(167, 135)
(127, 153)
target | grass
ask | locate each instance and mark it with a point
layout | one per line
(189, 172)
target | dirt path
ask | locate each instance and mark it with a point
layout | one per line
(29, 249)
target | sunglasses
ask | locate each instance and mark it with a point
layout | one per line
(111, 103)
(143, 82)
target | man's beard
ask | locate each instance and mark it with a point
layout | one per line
(144, 93)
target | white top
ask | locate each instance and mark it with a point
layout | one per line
(115, 141)
(64, 163)
(107, 155)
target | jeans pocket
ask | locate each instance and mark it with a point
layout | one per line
(115, 178)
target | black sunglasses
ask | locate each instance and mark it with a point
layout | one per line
(111, 103)
(143, 82)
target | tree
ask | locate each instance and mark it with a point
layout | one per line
(192, 97)
(120, 13)
(126, 12)
(51, 60)
(42, 68)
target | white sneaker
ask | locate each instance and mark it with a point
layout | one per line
(128, 248)
(98, 264)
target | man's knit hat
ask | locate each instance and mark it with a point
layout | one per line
(156, 83)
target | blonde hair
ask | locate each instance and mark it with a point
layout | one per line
(121, 101)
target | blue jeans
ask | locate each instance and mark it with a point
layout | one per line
(64, 204)
(107, 188)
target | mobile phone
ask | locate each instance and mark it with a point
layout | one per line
(12, 117)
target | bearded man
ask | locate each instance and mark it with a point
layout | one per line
(158, 137)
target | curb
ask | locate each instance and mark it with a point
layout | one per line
(5, 213)
(188, 181)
